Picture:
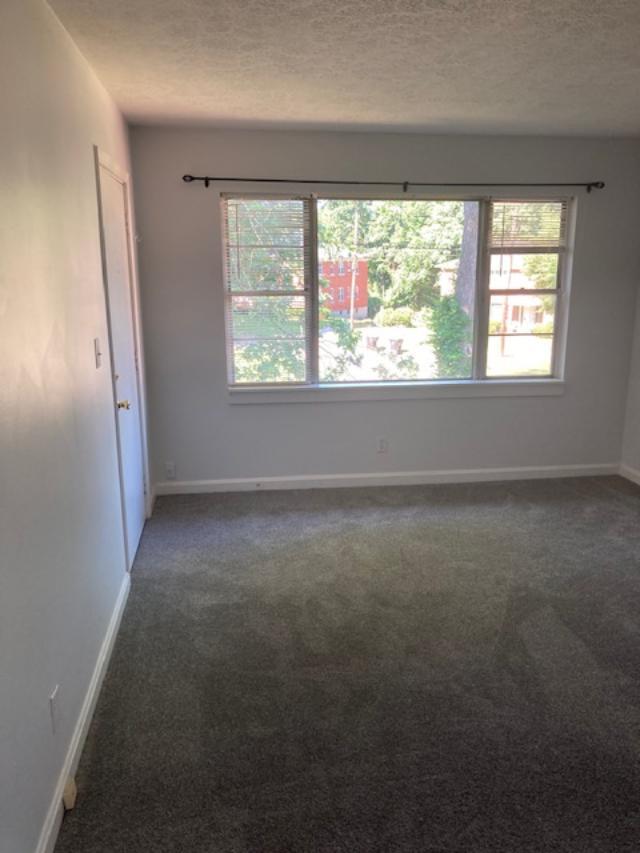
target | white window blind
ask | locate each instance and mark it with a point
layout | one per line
(537, 225)
(267, 271)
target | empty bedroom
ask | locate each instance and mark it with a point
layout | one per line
(319, 426)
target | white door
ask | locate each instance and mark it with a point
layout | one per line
(124, 359)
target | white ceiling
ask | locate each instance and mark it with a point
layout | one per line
(496, 66)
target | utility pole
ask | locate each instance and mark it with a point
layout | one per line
(354, 265)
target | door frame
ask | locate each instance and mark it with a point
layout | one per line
(104, 161)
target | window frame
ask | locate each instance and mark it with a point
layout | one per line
(308, 291)
(484, 291)
(478, 384)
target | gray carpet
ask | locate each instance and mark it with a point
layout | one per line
(446, 668)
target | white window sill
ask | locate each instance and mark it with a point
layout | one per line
(466, 388)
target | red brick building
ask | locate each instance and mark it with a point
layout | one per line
(335, 281)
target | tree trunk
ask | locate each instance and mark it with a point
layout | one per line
(466, 279)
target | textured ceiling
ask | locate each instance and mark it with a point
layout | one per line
(516, 66)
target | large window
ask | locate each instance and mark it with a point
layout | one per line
(328, 291)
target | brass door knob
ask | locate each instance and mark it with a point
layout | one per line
(123, 404)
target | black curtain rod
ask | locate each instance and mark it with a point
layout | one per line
(208, 179)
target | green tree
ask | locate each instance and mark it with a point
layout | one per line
(542, 270)
(450, 334)
(268, 362)
(404, 242)
(408, 242)
(336, 359)
(337, 236)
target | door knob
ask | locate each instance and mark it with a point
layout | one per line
(123, 404)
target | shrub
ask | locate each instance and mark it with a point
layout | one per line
(544, 328)
(395, 317)
(373, 306)
(450, 337)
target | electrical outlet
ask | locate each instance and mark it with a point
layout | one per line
(382, 444)
(54, 709)
(170, 470)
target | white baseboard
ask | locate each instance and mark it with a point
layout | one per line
(387, 478)
(51, 826)
(630, 473)
(152, 501)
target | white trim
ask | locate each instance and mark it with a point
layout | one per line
(629, 473)
(376, 192)
(152, 500)
(481, 300)
(354, 392)
(102, 159)
(51, 827)
(382, 478)
(139, 340)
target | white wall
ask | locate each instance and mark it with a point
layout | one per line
(193, 422)
(61, 553)
(631, 442)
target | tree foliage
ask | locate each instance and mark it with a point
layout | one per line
(404, 242)
(402, 316)
(263, 361)
(450, 338)
(339, 358)
(542, 270)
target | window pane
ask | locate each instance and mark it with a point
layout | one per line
(528, 223)
(519, 355)
(265, 244)
(524, 272)
(397, 286)
(268, 334)
(265, 269)
(522, 314)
